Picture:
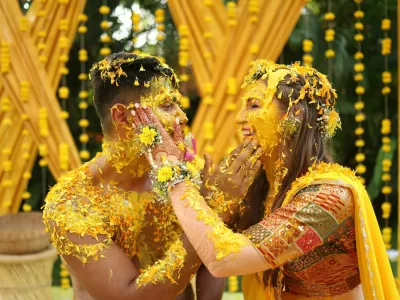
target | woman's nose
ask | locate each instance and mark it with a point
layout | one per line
(241, 117)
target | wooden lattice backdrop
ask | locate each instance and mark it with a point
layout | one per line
(43, 81)
(222, 43)
(221, 54)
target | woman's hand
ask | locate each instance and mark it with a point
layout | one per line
(236, 173)
(170, 148)
(226, 185)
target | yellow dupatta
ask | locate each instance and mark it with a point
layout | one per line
(376, 275)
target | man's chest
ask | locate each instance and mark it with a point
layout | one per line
(145, 226)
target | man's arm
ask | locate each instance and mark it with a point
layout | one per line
(114, 277)
(209, 287)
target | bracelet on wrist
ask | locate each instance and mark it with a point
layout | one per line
(170, 174)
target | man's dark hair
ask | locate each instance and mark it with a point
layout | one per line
(138, 70)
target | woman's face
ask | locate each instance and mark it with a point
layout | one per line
(260, 116)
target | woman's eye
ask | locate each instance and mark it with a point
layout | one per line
(254, 106)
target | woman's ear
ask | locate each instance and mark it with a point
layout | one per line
(119, 113)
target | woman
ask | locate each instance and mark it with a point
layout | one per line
(319, 236)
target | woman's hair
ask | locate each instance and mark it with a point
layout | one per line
(306, 147)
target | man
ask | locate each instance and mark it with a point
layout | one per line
(116, 238)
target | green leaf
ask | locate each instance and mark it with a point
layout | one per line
(375, 185)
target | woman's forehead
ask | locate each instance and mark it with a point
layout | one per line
(255, 90)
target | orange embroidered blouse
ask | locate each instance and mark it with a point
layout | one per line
(313, 240)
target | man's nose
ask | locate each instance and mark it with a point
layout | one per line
(182, 116)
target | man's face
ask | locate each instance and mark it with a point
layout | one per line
(164, 100)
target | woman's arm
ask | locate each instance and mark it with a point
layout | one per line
(313, 217)
(223, 252)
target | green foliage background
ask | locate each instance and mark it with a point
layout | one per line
(345, 47)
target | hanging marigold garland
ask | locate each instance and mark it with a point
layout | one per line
(83, 94)
(307, 42)
(208, 88)
(360, 90)
(26, 207)
(233, 284)
(329, 38)
(183, 60)
(6, 153)
(386, 130)
(232, 84)
(5, 109)
(24, 97)
(254, 10)
(63, 93)
(160, 19)
(105, 38)
(136, 28)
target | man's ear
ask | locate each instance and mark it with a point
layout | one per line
(119, 113)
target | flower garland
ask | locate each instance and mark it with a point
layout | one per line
(83, 94)
(233, 284)
(330, 37)
(5, 57)
(231, 85)
(254, 10)
(24, 24)
(184, 64)
(208, 88)
(160, 19)
(207, 34)
(64, 275)
(307, 42)
(26, 207)
(63, 91)
(6, 152)
(135, 28)
(232, 14)
(64, 156)
(209, 135)
(43, 150)
(7, 167)
(105, 38)
(386, 130)
(41, 45)
(360, 90)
